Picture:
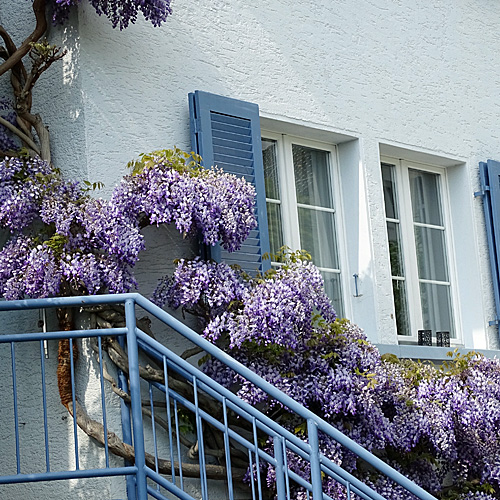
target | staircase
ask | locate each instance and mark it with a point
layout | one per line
(187, 431)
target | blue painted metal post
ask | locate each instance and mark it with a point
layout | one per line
(312, 432)
(135, 395)
(126, 425)
(280, 467)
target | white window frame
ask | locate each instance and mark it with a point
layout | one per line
(408, 245)
(289, 205)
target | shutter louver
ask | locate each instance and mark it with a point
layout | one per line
(226, 133)
(489, 173)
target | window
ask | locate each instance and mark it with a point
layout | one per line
(300, 200)
(418, 236)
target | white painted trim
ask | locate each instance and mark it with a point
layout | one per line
(418, 154)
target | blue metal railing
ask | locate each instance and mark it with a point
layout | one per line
(218, 424)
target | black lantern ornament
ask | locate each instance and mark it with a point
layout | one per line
(425, 337)
(443, 339)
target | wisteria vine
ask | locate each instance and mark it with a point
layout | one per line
(63, 241)
(440, 426)
(121, 13)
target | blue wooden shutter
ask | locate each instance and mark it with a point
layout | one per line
(489, 173)
(226, 133)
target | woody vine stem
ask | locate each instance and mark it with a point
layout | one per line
(24, 134)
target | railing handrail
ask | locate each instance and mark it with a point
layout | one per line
(265, 423)
(242, 370)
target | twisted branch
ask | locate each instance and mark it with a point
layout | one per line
(16, 55)
(27, 140)
(116, 446)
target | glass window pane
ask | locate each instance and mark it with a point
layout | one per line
(334, 290)
(401, 307)
(395, 252)
(431, 254)
(275, 228)
(269, 156)
(425, 197)
(389, 183)
(317, 236)
(436, 308)
(312, 176)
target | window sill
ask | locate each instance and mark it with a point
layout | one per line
(414, 351)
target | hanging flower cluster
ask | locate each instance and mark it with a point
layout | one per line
(198, 282)
(167, 188)
(438, 426)
(120, 12)
(60, 236)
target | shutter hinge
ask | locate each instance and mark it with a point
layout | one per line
(496, 321)
(482, 192)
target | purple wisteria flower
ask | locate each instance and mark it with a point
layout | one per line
(216, 205)
(61, 236)
(438, 426)
(120, 12)
(197, 282)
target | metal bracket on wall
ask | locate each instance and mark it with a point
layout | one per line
(496, 321)
(356, 290)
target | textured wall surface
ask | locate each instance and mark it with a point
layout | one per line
(407, 74)
(411, 77)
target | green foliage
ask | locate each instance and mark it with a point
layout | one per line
(175, 158)
(92, 186)
(285, 255)
(204, 359)
(186, 419)
(272, 353)
(368, 375)
(459, 362)
(415, 371)
(56, 243)
(301, 429)
(43, 51)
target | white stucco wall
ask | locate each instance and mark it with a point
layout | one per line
(409, 75)
(407, 78)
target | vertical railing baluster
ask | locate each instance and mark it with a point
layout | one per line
(44, 329)
(153, 429)
(252, 478)
(126, 424)
(257, 458)
(169, 416)
(201, 446)
(16, 414)
(348, 491)
(135, 395)
(73, 397)
(312, 433)
(103, 403)
(179, 456)
(279, 468)
(227, 450)
(44, 402)
(285, 461)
